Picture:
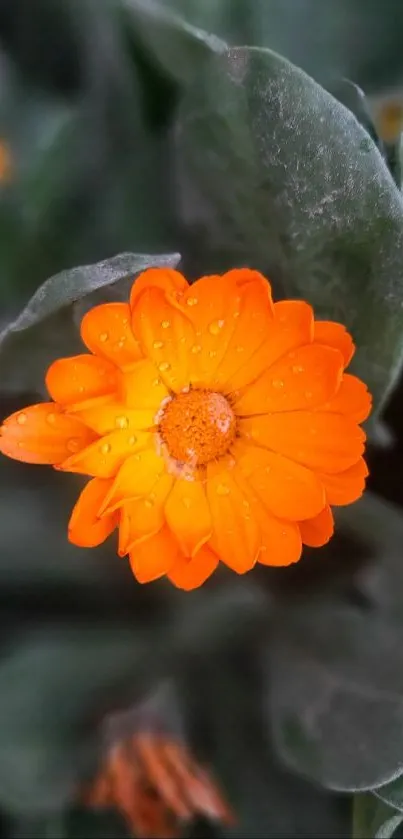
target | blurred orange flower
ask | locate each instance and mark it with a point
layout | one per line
(156, 786)
(215, 425)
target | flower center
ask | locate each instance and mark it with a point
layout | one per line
(197, 426)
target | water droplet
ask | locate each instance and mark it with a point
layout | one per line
(164, 366)
(125, 321)
(215, 327)
(223, 489)
(156, 382)
(240, 349)
(277, 383)
(136, 457)
(105, 448)
(20, 445)
(158, 345)
(196, 349)
(148, 503)
(212, 353)
(104, 337)
(132, 440)
(51, 419)
(73, 445)
(191, 301)
(22, 418)
(236, 314)
(121, 422)
(296, 368)
(165, 324)
(246, 504)
(120, 344)
(187, 502)
(81, 388)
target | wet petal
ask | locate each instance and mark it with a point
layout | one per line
(166, 279)
(43, 434)
(188, 515)
(166, 336)
(285, 488)
(280, 539)
(236, 537)
(347, 486)
(291, 327)
(317, 532)
(142, 517)
(142, 386)
(155, 556)
(81, 377)
(212, 306)
(85, 528)
(253, 318)
(103, 458)
(324, 441)
(352, 398)
(189, 574)
(334, 335)
(136, 476)
(303, 378)
(106, 331)
(104, 417)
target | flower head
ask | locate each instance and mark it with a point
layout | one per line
(152, 780)
(214, 425)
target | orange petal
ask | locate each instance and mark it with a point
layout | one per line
(212, 306)
(142, 386)
(352, 398)
(316, 532)
(166, 336)
(280, 540)
(43, 434)
(155, 556)
(324, 441)
(285, 488)
(188, 515)
(334, 335)
(291, 327)
(81, 377)
(304, 378)
(86, 529)
(136, 477)
(104, 457)
(106, 331)
(142, 517)
(236, 537)
(166, 279)
(347, 486)
(104, 417)
(188, 574)
(253, 319)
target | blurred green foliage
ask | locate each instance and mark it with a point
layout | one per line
(132, 129)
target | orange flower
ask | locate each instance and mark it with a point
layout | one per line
(215, 425)
(157, 787)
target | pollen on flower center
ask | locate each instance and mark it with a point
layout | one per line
(197, 426)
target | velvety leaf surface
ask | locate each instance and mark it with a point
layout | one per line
(275, 173)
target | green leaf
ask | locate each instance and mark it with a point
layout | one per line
(372, 819)
(178, 47)
(45, 328)
(275, 173)
(53, 684)
(392, 793)
(336, 686)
